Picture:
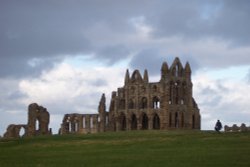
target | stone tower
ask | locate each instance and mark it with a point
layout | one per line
(102, 113)
(167, 104)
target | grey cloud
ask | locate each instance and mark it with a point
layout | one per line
(148, 59)
(19, 67)
(152, 60)
(112, 54)
(49, 29)
(16, 95)
(99, 82)
(223, 19)
(233, 22)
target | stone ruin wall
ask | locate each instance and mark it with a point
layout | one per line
(36, 114)
(79, 124)
(235, 128)
(86, 123)
(140, 104)
(167, 104)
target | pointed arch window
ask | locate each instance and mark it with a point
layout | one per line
(193, 121)
(144, 103)
(131, 104)
(155, 89)
(156, 122)
(144, 121)
(122, 104)
(123, 121)
(176, 120)
(156, 102)
(133, 122)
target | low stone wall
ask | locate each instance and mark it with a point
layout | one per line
(235, 128)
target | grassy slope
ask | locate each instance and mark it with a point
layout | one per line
(137, 148)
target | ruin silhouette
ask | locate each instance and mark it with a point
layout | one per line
(141, 105)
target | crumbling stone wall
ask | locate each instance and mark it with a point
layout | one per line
(140, 104)
(235, 128)
(36, 115)
(40, 114)
(13, 131)
(79, 124)
(167, 104)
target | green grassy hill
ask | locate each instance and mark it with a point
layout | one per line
(135, 148)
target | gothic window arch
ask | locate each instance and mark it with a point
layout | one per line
(122, 104)
(84, 122)
(193, 121)
(91, 122)
(123, 125)
(22, 131)
(156, 122)
(182, 119)
(144, 103)
(133, 122)
(144, 121)
(171, 86)
(177, 70)
(176, 120)
(177, 94)
(156, 102)
(155, 89)
(182, 101)
(76, 124)
(143, 89)
(131, 104)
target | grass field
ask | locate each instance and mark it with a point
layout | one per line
(135, 148)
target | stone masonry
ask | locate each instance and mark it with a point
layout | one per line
(140, 104)
(38, 123)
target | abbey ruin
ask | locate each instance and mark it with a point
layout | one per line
(137, 105)
(141, 105)
(38, 123)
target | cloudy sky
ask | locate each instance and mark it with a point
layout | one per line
(64, 54)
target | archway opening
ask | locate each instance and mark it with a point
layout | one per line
(22, 132)
(131, 104)
(144, 103)
(83, 122)
(156, 122)
(156, 102)
(144, 121)
(133, 122)
(193, 121)
(123, 122)
(37, 125)
(76, 126)
(176, 120)
(182, 120)
(91, 122)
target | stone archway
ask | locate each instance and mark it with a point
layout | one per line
(176, 120)
(156, 122)
(193, 121)
(156, 103)
(22, 131)
(40, 114)
(144, 121)
(123, 125)
(133, 122)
